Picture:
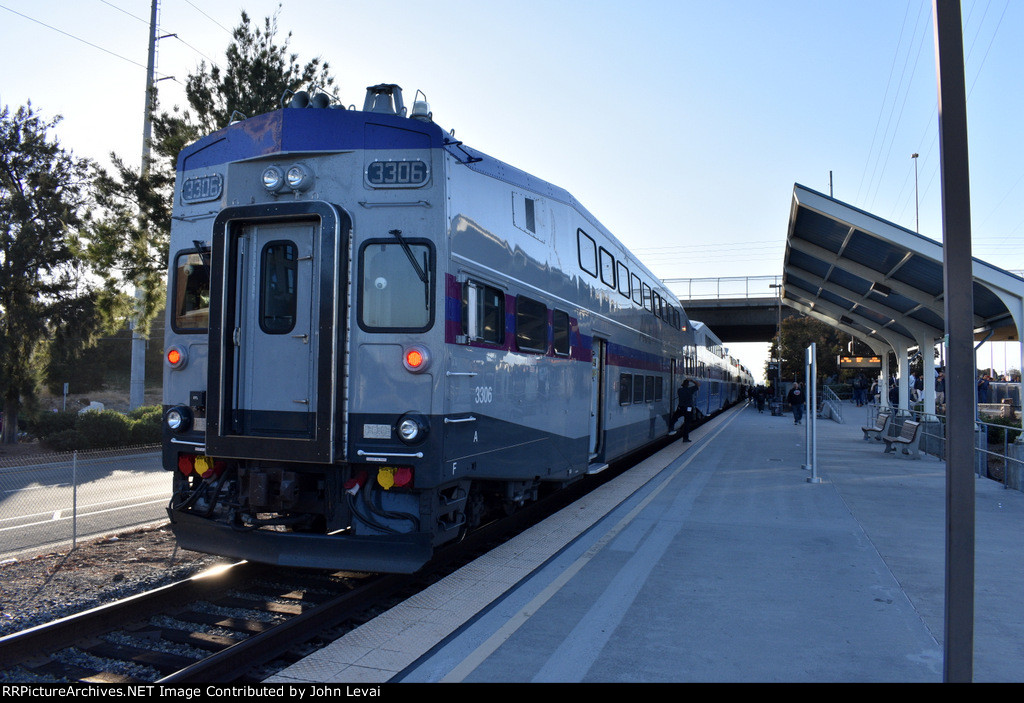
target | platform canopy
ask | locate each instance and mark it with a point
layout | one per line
(883, 283)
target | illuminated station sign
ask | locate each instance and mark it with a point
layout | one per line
(860, 362)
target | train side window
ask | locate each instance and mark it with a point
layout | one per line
(648, 299)
(560, 332)
(191, 292)
(531, 325)
(483, 313)
(659, 388)
(638, 294)
(638, 388)
(396, 291)
(279, 268)
(623, 276)
(649, 389)
(587, 252)
(625, 389)
(607, 262)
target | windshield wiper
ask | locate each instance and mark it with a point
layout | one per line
(412, 257)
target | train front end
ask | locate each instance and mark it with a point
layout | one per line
(301, 340)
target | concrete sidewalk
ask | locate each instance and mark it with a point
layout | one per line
(719, 561)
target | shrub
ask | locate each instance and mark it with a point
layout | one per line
(66, 440)
(46, 424)
(145, 431)
(104, 428)
(998, 426)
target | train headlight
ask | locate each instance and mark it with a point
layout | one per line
(178, 419)
(411, 429)
(299, 177)
(273, 178)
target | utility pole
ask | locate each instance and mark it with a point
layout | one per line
(137, 387)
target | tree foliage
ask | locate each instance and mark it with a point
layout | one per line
(797, 335)
(130, 242)
(43, 288)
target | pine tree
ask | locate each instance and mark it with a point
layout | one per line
(43, 191)
(130, 242)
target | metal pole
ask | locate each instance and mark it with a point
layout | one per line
(808, 459)
(917, 201)
(959, 309)
(74, 499)
(812, 415)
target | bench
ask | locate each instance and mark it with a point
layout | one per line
(880, 428)
(907, 440)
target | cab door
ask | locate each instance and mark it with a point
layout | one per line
(274, 342)
(276, 333)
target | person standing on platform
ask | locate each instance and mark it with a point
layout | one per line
(983, 384)
(796, 401)
(685, 395)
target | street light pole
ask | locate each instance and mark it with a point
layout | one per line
(778, 340)
(917, 201)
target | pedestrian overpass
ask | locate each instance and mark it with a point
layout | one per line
(737, 308)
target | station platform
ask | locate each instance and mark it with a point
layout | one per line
(716, 561)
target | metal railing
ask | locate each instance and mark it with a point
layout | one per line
(831, 403)
(1005, 466)
(50, 500)
(734, 287)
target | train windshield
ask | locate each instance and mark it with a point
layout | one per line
(396, 278)
(191, 293)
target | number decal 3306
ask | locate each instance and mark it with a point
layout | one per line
(483, 394)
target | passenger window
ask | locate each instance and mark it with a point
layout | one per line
(638, 295)
(587, 252)
(483, 313)
(560, 332)
(623, 275)
(649, 389)
(192, 292)
(638, 388)
(531, 325)
(607, 268)
(278, 287)
(625, 389)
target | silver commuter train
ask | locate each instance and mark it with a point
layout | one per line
(377, 336)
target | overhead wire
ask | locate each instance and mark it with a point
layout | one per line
(881, 109)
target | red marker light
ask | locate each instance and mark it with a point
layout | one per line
(177, 356)
(414, 358)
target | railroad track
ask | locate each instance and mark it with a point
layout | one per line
(222, 627)
(240, 624)
(237, 625)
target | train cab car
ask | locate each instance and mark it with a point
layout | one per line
(377, 336)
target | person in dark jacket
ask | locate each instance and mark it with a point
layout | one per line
(684, 407)
(796, 399)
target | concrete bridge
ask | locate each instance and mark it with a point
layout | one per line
(736, 308)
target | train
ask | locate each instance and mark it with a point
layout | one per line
(379, 337)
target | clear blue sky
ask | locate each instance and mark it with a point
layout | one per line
(681, 125)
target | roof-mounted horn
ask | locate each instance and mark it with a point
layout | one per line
(385, 98)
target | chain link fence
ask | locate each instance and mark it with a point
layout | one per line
(50, 500)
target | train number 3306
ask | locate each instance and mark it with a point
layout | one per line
(483, 394)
